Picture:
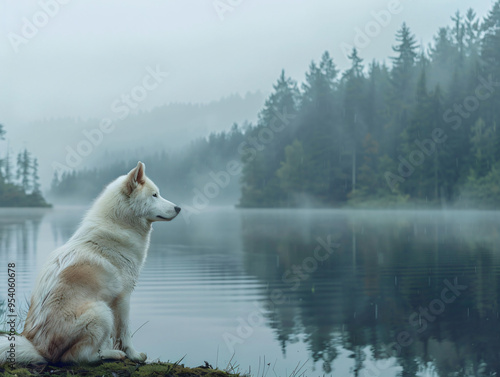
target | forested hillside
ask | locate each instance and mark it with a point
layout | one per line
(422, 129)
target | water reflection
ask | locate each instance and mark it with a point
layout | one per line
(19, 232)
(381, 293)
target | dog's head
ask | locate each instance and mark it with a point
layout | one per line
(144, 197)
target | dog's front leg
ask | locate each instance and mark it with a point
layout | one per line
(123, 338)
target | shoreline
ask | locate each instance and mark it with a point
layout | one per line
(116, 369)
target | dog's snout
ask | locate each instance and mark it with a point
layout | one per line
(177, 209)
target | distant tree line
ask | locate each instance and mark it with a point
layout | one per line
(179, 175)
(422, 130)
(19, 180)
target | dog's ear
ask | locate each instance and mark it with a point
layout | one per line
(135, 177)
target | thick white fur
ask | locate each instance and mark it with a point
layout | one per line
(80, 305)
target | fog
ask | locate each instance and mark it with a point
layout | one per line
(90, 53)
(139, 65)
(337, 165)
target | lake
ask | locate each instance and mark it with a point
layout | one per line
(302, 292)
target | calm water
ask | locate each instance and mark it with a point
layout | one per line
(395, 293)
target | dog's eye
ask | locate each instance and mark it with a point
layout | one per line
(155, 195)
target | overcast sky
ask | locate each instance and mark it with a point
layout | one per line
(105, 59)
(91, 52)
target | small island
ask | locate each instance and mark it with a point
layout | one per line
(20, 187)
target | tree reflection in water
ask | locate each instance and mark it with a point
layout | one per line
(380, 293)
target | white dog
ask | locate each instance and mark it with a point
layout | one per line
(80, 305)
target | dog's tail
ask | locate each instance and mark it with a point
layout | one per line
(17, 349)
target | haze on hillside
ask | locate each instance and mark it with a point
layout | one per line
(132, 81)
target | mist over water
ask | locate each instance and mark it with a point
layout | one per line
(343, 292)
(308, 155)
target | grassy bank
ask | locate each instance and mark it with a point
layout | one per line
(115, 369)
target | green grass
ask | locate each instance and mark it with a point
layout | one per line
(114, 369)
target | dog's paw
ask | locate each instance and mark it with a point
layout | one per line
(112, 355)
(136, 356)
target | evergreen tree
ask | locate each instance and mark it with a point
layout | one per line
(292, 173)
(472, 34)
(490, 56)
(458, 33)
(377, 98)
(372, 182)
(16, 195)
(446, 173)
(19, 163)
(483, 148)
(35, 178)
(24, 169)
(268, 139)
(353, 109)
(403, 84)
(320, 131)
(56, 181)
(444, 56)
(418, 129)
(419, 148)
(7, 167)
(404, 64)
(491, 38)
